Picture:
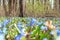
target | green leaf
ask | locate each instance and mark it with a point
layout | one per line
(23, 38)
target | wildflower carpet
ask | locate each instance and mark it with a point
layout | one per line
(28, 29)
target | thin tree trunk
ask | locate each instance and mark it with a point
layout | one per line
(24, 7)
(17, 8)
(21, 8)
(5, 8)
(12, 8)
(2, 11)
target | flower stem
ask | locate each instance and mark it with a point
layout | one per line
(17, 28)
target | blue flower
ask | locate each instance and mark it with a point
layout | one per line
(45, 39)
(22, 32)
(39, 23)
(19, 25)
(1, 25)
(52, 32)
(32, 22)
(2, 37)
(5, 30)
(6, 21)
(1, 31)
(18, 37)
(43, 28)
(28, 19)
(58, 32)
(27, 25)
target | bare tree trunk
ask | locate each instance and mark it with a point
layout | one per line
(11, 8)
(17, 8)
(2, 11)
(24, 7)
(21, 8)
(6, 9)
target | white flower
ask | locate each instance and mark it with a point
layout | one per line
(45, 39)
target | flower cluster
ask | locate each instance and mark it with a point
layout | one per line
(27, 29)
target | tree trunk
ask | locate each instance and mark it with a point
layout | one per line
(21, 8)
(6, 7)
(2, 11)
